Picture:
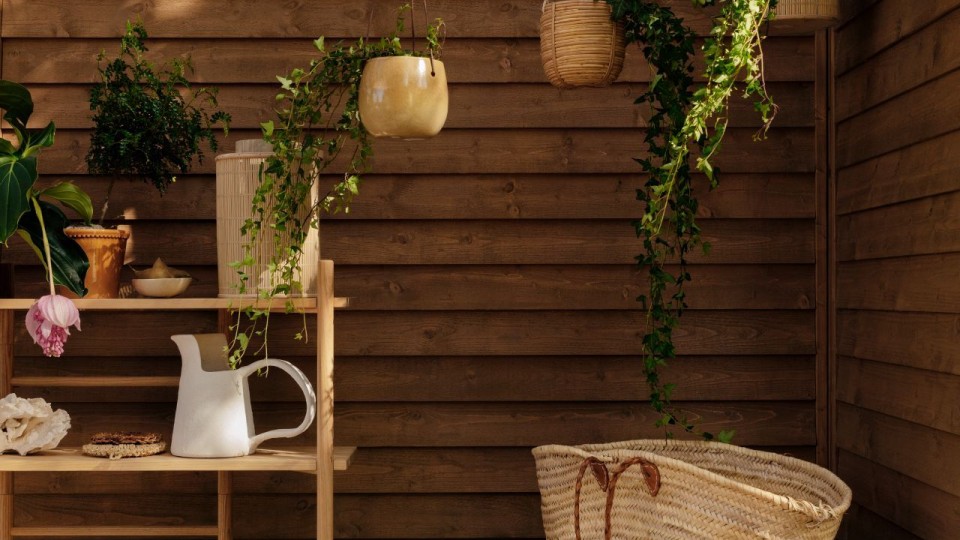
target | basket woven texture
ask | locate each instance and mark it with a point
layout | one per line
(807, 9)
(238, 176)
(684, 490)
(579, 44)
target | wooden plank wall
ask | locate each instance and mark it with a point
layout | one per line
(491, 267)
(898, 253)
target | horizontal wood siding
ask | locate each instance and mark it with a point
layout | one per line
(491, 270)
(898, 268)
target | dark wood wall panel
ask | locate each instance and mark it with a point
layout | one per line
(898, 255)
(492, 271)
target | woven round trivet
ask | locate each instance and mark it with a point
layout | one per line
(119, 451)
(125, 437)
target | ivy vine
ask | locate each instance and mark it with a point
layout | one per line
(318, 124)
(685, 120)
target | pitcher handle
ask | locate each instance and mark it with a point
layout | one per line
(308, 395)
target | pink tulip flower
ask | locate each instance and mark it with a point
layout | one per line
(48, 322)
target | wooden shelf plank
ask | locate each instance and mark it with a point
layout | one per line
(96, 382)
(342, 456)
(115, 531)
(72, 460)
(174, 304)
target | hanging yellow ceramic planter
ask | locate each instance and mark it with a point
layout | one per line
(403, 97)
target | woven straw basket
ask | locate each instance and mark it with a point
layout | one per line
(807, 9)
(684, 490)
(238, 176)
(579, 44)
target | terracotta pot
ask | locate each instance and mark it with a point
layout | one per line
(105, 249)
(402, 97)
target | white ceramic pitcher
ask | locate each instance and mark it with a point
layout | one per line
(213, 406)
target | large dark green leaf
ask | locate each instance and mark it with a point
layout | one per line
(16, 178)
(16, 100)
(69, 260)
(74, 198)
(38, 138)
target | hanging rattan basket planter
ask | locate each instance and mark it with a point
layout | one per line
(579, 44)
(685, 490)
(827, 11)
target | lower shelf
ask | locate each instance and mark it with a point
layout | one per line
(72, 460)
(106, 532)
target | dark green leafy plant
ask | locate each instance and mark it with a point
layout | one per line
(318, 128)
(149, 122)
(23, 209)
(685, 120)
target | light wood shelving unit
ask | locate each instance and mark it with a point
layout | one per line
(320, 460)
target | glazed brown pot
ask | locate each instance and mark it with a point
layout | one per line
(403, 97)
(105, 249)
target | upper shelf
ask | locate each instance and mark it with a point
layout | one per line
(72, 460)
(175, 304)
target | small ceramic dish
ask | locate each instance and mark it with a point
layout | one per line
(161, 287)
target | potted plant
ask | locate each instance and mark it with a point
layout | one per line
(25, 210)
(149, 124)
(318, 121)
(38, 222)
(404, 95)
(580, 44)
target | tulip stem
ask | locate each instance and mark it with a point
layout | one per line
(46, 245)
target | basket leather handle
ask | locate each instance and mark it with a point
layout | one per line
(608, 483)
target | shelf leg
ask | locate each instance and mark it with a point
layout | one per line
(325, 402)
(224, 505)
(6, 506)
(6, 386)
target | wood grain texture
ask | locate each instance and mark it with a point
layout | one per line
(566, 333)
(910, 394)
(566, 287)
(519, 106)
(897, 328)
(493, 268)
(907, 119)
(486, 378)
(558, 379)
(478, 196)
(418, 242)
(505, 151)
(468, 333)
(246, 61)
(532, 424)
(923, 510)
(860, 522)
(510, 196)
(554, 242)
(920, 57)
(927, 283)
(882, 25)
(101, 510)
(924, 226)
(915, 450)
(929, 344)
(921, 170)
(249, 19)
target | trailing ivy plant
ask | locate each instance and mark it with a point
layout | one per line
(684, 122)
(318, 129)
(143, 125)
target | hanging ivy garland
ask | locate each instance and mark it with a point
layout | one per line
(685, 120)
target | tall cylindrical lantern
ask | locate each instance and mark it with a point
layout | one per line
(238, 176)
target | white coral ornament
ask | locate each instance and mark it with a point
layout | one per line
(30, 425)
